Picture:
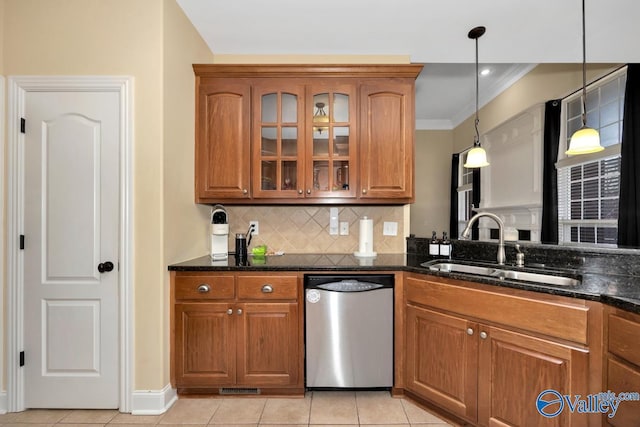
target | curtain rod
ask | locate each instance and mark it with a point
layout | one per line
(595, 81)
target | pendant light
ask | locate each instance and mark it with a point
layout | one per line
(477, 156)
(585, 140)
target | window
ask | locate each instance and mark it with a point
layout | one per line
(589, 185)
(465, 193)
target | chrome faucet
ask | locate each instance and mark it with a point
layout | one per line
(465, 234)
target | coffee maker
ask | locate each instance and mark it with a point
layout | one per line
(219, 233)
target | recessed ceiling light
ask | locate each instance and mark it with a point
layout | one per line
(485, 71)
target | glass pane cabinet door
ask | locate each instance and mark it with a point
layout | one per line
(333, 135)
(278, 148)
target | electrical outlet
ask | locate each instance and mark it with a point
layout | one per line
(390, 228)
(256, 227)
(344, 228)
(333, 221)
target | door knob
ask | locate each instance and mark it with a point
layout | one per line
(105, 266)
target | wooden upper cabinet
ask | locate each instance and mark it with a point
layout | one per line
(223, 138)
(387, 140)
(288, 134)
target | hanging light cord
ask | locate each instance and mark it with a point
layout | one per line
(476, 142)
(584, 69)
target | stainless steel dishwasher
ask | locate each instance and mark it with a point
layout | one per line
(349, 331)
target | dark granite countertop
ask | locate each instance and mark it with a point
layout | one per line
(622, 291)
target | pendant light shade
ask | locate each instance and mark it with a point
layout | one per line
(585, 140)
(477, 156)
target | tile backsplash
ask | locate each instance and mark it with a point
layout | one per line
(305, 229)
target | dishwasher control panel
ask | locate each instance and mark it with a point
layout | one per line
(351, 285)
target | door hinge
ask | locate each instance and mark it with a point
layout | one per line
(23, 124)
(22, 241)
(22, 358)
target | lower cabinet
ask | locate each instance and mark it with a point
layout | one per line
(490, 371)
(250, 339)
(622, 364)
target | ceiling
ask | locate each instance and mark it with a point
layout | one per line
(519, 35)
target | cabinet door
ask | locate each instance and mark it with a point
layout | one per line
(332, 135)
(205, 345)
(278, 140)
(222, 150)
(269, 352)
(623, 378)
(514, 369)
(387, 140)
(442, 360)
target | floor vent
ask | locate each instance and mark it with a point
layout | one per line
(227, 391)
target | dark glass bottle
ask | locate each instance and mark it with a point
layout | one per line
(445, 246)
(434, 246)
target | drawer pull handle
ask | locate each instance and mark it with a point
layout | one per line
(203, 289)
(267, 289)
(230, 311)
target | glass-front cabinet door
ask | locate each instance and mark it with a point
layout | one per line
(278, 148)
(331, 130)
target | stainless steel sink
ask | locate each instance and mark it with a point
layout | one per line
(450, 267)
(546, 279)
(502, 273)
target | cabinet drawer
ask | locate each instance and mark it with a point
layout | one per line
(624, 338)
(268, 287)
(204, 287)
(561, 318)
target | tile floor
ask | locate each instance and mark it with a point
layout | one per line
(318, 408)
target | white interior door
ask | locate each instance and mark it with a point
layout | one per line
(71, 228)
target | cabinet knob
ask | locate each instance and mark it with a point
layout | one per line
(483, 335)
(245, 191)
(364, 191)
(267, 289)
(239, 311)
(300, 191)
(308, 191)
(230, 311)
(469, 331)
(204, 288)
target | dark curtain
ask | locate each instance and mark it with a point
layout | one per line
(453, 216)
(629, 203)
(549, 228)
(475, 230)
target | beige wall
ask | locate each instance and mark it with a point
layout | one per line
(2, 31)
(430, 212)
(543, 83)
(184, 222)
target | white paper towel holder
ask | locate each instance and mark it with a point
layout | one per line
(366, 240)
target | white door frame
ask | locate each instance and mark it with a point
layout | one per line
(18, 86)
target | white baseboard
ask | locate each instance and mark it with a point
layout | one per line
(3, 402)
(153, 402)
